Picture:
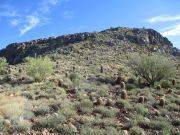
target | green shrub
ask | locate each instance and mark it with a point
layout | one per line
(65, 130)
(91, 131)
(50, 121)
(39, 68)
(113, 131)
(120, 103)
(173, 107)
(85, 106)
(3, 65)
(176, 122)
(22, 126)
(136, 130)
(3, 127)
(166, 84)
(160, 124)
(42, 110)
(103, 93)
(74, 77)
(152, 68)
(140, 109)
(106, 112)
(68, 112)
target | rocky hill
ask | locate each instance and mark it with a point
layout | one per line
(130, 39)
(90, 88)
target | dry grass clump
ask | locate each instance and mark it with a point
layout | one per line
(11, 106)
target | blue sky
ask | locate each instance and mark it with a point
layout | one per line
(25, 20)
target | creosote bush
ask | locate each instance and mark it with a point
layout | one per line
(152, 68)
(39, 68)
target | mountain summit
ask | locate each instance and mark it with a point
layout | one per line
(126, 39)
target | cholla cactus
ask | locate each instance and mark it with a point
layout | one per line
(162, 102)
(141, 99)
(124, 94)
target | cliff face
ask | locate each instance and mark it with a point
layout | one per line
(150, 38)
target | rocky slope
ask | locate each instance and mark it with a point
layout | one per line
(147, 39)
(91, 90)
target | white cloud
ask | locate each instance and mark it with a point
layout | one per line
(26, 20)
(172, 31)
(7, 11)
(163, 18)
(8, 14)
(46, 4)
(14, 22)
(68, 14)
(32, 21)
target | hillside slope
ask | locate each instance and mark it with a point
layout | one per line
(83, 94)
(129, 39)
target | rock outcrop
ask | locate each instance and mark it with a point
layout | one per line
(16, 52)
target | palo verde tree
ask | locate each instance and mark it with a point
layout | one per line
(39, 67)
(152, 68)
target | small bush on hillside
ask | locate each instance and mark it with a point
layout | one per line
(164, 84)
(85, 130)
(152, 68)
(106, 112)
(22, 126)
(161, 124)
(85, 106)
(3, 65)
(74, 77)
(50, 121)
(140, 109)
(39, 68)
(136, 130)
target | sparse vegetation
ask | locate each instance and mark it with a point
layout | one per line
(136, 131)
(91, 92)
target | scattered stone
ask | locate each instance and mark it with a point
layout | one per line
(125, 132)
(146, 119)
(7, 122)
(71, 126)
